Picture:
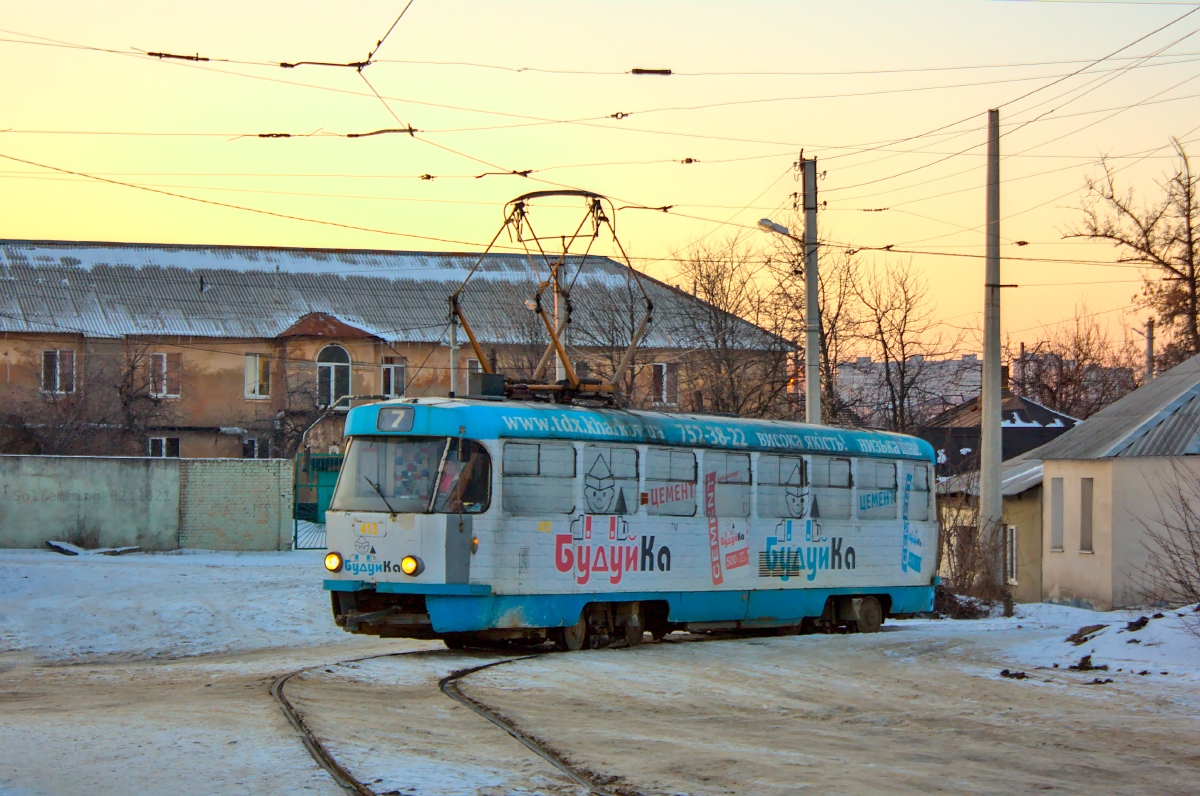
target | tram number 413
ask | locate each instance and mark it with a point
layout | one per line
(369, 529)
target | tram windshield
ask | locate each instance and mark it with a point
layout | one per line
(414, 475)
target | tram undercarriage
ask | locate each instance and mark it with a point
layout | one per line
(601, 624)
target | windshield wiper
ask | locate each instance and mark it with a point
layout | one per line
(379, 492)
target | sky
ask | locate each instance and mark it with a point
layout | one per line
(546, 86)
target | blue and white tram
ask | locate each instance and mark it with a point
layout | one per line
(483, 521)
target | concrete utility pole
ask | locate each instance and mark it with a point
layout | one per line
(812, 307)
(990, 505)
(453, 350)
(1149, 349)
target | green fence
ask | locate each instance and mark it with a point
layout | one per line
(316, 476)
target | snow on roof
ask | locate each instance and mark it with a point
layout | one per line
(117, 289)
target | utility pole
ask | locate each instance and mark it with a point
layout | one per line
(990, 505)
(1149, 349)
(453, 349)
(812, 308)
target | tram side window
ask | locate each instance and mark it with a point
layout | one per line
(539, 479)
(670, 483)
(918, 501)
(782, 486)
(830, 488)
(729, 476)
(876, 490)
(610, 480)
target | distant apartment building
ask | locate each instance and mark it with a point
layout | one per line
(931, 386)
(228, 351)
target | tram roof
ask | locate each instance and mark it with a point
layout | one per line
(532, 421)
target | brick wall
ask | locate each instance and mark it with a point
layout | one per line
(235, 504)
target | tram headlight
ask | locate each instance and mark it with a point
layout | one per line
(411, 565)
(333, 562)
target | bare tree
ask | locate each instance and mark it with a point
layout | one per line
(1076, 368)
(1172, 573)
(601, 330)
(1161, 234)
(902, 384)
(116, 399)
(738, 354)
(838, 273)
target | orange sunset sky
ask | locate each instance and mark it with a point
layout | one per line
(534, 85)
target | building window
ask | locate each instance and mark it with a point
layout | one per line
(1056, 514)
(164, 447)
(58, 371)
(473, 366)
(664, 387)
(1010, 554)
(256, 448)
(165, 372)
(333, 375)
(393, 380)
(1085, 515)
(258, 376)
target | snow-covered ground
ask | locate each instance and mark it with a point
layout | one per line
(58, 607)
(151, 672)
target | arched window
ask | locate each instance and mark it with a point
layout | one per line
(333, 374)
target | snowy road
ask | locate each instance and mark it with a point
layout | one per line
(124, 676)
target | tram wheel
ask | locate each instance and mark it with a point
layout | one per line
(454, 641)
(870, 615)
(633, 633)
(574, 637)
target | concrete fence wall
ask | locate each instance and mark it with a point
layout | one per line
(155, 504)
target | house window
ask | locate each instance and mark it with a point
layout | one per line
(1056, 514)
(258, 376)
(256, 448)
(393, 380)
(165, 375)
(664, 387)
(333, 375)
(473, 366)
(1010, 554)
(58, 371)
(164, 447)
(1085, 515)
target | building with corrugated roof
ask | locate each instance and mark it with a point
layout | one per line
(237, 351)
(1084, 507)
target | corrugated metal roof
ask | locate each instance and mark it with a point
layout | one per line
(1158, 419)
(1017, 475)
(116, 289)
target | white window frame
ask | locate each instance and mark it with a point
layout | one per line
(1010, 554)
(332, 367)
(164, 444)
(659, 378)
(159, 362)
(252, 387)
(398, 372)
(56, 388)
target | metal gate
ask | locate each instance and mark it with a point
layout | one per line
(315, 477)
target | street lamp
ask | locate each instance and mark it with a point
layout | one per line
(812, 318)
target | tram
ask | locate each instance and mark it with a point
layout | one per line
(484, 522)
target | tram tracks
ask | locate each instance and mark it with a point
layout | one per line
(449, 685)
